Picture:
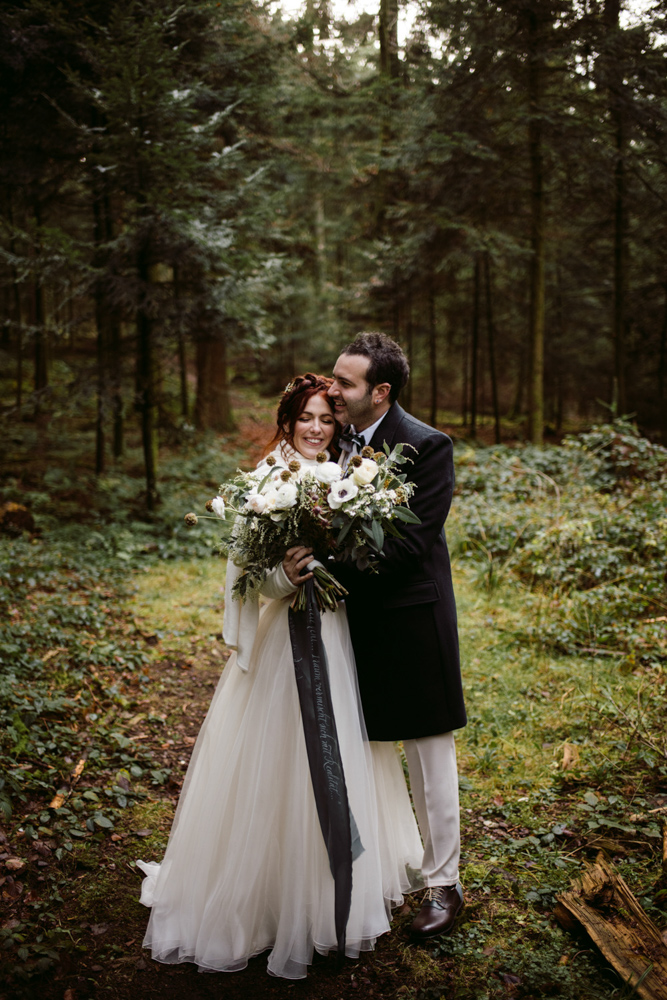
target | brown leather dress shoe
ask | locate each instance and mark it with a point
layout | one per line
(440, 908)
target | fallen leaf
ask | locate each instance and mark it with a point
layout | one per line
(14, 864)
(142, 833)
(570, 756)
(53, 652)
(57, 801)
(69, 995)
(98, 929)
(78, 770)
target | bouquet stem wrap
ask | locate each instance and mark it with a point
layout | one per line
(339, 829)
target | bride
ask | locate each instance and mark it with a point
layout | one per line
(246, 867)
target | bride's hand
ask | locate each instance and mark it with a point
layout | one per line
(295, 561)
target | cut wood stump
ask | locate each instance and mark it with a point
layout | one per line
(603, 904)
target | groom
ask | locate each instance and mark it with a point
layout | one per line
(403, 619)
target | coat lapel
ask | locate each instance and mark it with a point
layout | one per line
(388, 428)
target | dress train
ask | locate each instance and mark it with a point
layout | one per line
(246, 867)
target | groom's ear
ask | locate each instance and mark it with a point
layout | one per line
(380, 392)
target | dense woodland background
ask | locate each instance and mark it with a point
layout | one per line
(198, 195)
(198, 200)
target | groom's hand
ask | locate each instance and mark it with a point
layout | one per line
(295, 562)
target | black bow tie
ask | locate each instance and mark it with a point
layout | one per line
(348, 436)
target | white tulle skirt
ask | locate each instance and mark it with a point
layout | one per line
(246, 867)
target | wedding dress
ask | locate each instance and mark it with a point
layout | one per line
(246, 867)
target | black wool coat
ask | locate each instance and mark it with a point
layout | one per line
(403, 619)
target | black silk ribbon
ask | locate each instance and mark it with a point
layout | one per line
(339, 829)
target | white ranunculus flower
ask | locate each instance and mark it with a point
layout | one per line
(257, 503)
(327, 472)
(341, 491)
(218, 505)
(366, 472)
(286, 496)
(270, 499)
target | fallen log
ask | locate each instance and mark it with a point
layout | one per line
(603, 904)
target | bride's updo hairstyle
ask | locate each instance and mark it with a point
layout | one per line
(294, 401)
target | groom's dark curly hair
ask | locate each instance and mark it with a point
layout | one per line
(388, 363)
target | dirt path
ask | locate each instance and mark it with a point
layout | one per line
(110, 961)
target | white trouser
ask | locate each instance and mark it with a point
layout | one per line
(435, 793)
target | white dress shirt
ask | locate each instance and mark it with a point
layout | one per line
(348, 450)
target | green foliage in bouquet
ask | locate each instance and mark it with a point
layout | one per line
(340, 515)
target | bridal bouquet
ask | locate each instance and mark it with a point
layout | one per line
(345, 515)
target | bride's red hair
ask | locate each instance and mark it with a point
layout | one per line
(293, 402)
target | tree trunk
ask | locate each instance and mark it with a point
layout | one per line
(115, 350)
(102, 362)
(182, 358)
(409, 344)
(320, 240)
(101, 313)
(389, 75)
(19, 345)
(491, 334)
(213, 407)
(475, 347)
(465, 380)
(146, 401)
(536, 377)
(116, 386)
(433, 354)
(517, 405)
(611, 15)
(388, 31)
(662, 371)
(40, 340)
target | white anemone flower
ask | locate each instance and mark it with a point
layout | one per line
(341, 492)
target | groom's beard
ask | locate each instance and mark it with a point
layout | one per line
(357, 411)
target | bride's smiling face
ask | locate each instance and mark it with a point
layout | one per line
(314, 427)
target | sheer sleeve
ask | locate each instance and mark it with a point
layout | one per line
(277, 585)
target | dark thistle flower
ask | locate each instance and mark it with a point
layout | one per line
(270, 460)
(190, 519)
(356, 461)
(294, 466)
(367, 452)
(209, 506)
(321, 456)
(286, 475)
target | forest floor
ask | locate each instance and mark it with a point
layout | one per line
(560, 759)
(525, 821)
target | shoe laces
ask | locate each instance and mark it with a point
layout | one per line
(433, 894)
